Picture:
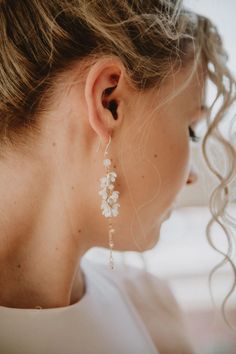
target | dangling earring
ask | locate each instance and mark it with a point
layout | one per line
(109, 203)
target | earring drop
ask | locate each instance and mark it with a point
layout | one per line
(110, 197)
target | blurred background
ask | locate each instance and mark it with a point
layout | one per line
(183, 256)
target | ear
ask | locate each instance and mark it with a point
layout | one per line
(105, 90)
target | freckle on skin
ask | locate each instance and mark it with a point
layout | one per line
(79, 230)
(54, 144)
(155, 155)
(18, 265)
(142, 176)
(72, 187)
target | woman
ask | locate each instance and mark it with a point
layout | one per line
(98, 99)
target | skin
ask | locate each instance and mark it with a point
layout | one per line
(50, 213)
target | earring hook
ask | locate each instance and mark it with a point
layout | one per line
(98, 145)
(105, 153)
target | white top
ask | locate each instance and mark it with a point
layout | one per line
(104, 321)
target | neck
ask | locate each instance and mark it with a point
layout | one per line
(39, 249)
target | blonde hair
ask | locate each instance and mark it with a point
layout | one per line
(40, 40)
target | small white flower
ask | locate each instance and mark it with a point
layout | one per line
(104, 204)
(104, 182)
(112, 176)
(114, 209)
(107, 162)
(107, 212)
(110, 201)
(103, 193)
(114, 212)
(103, 179)
(115, 195)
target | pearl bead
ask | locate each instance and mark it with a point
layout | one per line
(107, 162)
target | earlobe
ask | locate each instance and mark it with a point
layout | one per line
(101, 96)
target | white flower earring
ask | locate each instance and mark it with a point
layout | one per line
(109, 203)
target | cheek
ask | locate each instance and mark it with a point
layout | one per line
(175, 166)
(158, 169)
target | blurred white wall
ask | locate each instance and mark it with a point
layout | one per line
(223, 14)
